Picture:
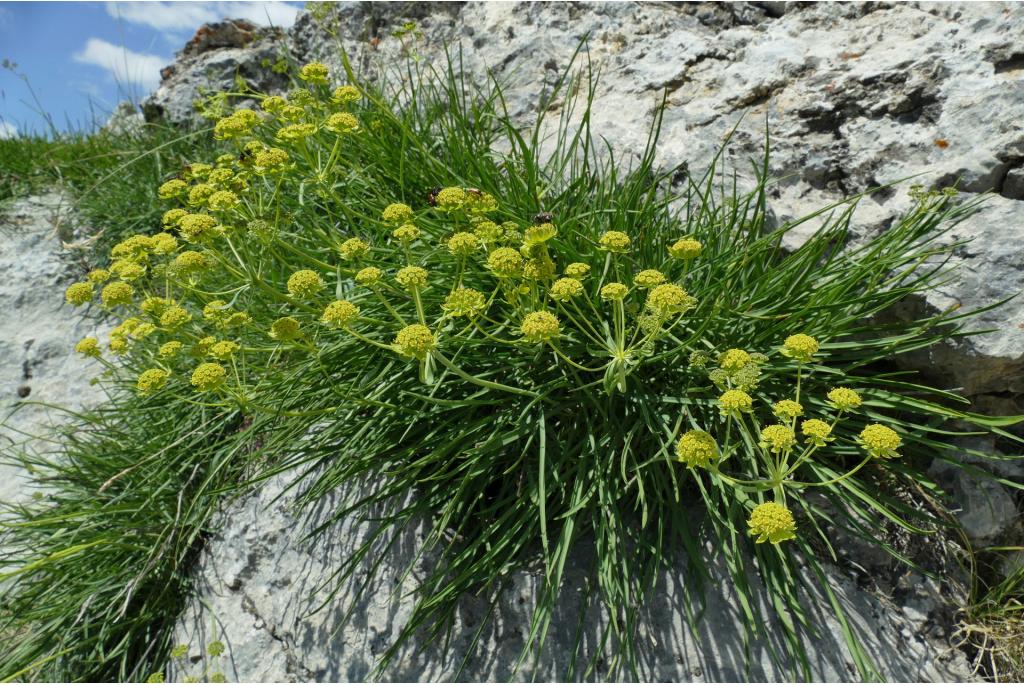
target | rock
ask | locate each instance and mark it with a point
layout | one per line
(259, 582)
(38, 332)
(210, 62)
(984, 507)
(126, 120)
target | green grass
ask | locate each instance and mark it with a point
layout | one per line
(99, 567)
(111, 178)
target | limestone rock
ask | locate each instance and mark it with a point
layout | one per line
(210, 62)
(259, 583)
(38, 332)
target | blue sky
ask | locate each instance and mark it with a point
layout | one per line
(82, 58)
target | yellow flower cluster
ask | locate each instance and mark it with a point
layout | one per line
(772, 522)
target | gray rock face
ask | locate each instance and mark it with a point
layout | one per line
(210, 62)
(38, 331)
(260, 584)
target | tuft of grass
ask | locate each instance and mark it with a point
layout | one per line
(99, 569)
(112, 178)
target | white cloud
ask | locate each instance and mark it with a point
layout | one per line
(7, 130)
(126, 66)
(188, 16)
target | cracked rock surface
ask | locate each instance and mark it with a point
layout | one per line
(38, 332)
(260, 585)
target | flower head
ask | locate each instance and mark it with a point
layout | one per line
(151, 380)
(222, 200)
(316, 73)
(354, 249)
(224, 349)
(175, 316)
(98, 276)
(614, 291)
(463, 244)
(817, 432)
(648, 278)
(270, 158)
(668, 299)
(189, 262)
(880, 441)
(164, 243)
(127, 270)
(194, 226)
(414, 341)
(200, 193)
(169, 350)
(697, 448)
(412, 277)
(800, 347)
(172, 189)
(564, 289)
(342, 123)
(369, 276)
(614, 241)
(535, 235)
(465, 302)
(78, 294)
(117, 293)
(344, 95)
(787, 410)
(295, 132)
(285, 328)
(772, 522)
(577, 270)
(406, 233)
(505, 262)
(538, 268)
(305, 283)
(448, 199)
(339, 314)
(88, 347)
(132, 248)
(172, 216)
(685, 248)
(396, 213)
(732, 402)
(777, 438)
(209, 376)
(733, 360)
(540, 327)
(487, 231)
(844, 399)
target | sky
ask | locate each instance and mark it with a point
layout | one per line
(81, 58)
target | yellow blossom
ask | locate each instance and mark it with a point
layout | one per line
(209, 376)
(305, 283)
(772, 522)
(415, 340)
(564, 289)
(880, 441)
(78, 294)
(697, 449)
(614, 241)
(151, 380)
(686, 248)
(339, 313)
(800, 347)
(540, 327)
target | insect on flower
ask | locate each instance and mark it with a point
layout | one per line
(543, 218)
(432, 196)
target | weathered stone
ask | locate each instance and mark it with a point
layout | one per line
(260, 582)
(211, 62)
(38, 364)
